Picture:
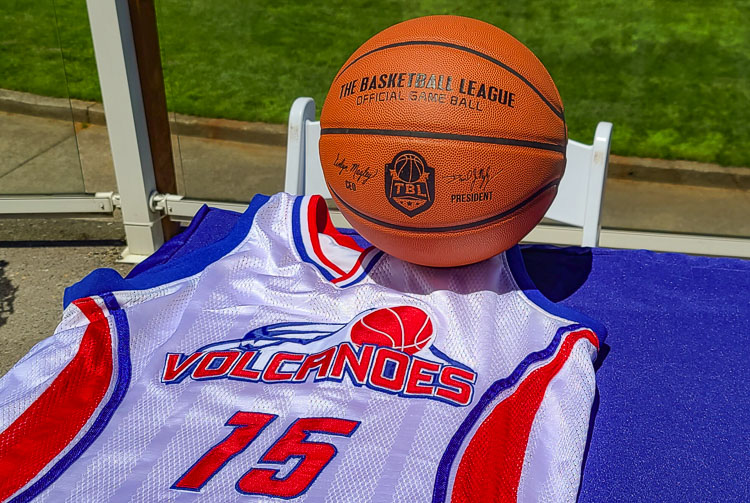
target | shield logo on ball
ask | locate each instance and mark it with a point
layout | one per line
(409, 183)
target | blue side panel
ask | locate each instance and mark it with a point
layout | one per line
(672, 421)
(188, 255)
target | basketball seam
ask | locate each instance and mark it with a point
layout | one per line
(447, 136)
(416, 337)
(559, 113)
(401, 324)
(409, 346)
(453, 228)
(376, 330)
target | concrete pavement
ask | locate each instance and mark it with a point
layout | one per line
(41, 155)
(39, 257)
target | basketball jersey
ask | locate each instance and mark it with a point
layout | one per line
(286, 362)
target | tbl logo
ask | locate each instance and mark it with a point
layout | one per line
(389, 350)
(410, 183)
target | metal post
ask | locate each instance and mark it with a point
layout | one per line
(116, 62)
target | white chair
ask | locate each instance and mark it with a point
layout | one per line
(579, 196)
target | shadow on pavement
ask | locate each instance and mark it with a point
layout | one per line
(7, 294)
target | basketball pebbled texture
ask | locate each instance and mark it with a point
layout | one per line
(454, 153)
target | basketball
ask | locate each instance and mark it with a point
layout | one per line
(405, 328)
(443, 140)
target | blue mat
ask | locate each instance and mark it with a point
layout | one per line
(672, 419)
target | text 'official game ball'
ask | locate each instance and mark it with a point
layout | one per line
(443, 140)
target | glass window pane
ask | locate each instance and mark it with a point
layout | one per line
(53, 139)
(671, 76)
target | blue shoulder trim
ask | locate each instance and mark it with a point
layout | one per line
(518, 270)
(168, 250)
(109, 280)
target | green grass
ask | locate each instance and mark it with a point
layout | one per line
(673, 76)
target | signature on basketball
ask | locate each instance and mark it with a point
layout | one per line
(354, 170)
(479, 178)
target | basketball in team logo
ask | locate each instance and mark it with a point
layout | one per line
(406, 328)
(442, 140)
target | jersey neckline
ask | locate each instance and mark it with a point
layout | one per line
(343, 262)
(338, 258)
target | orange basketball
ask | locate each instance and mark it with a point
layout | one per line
(443, 140)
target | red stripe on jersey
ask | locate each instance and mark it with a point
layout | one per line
(490, 468)
(317, 217)
(325, 225)
(43, 430)
(355, 268)
(319, 222)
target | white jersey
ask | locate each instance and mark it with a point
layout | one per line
(285, 362)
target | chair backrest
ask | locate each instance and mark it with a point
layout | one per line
(579, 196)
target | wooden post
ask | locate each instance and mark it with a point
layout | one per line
(148, 59)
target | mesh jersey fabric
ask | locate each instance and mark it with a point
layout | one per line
(285, 361)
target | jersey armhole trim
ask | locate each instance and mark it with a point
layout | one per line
(106, 280)
(62, 453)
(542, 366)
(526, 285)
